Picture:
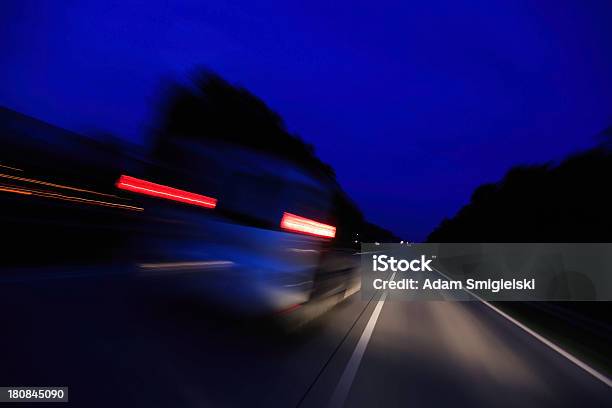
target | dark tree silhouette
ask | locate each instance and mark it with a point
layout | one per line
(567, 202)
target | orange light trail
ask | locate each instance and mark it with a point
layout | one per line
(10, 168)
(69, 198)
(10, 190)
(44, 183)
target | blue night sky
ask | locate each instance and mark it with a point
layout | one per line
(413, 103)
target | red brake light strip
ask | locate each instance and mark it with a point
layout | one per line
(296, 223)
(158, 190)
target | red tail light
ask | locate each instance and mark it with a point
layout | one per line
(158, 190)
(296, 223)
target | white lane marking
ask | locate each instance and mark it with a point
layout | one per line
(601, 377)
(346, 381)
(178, 265)
(181, 267)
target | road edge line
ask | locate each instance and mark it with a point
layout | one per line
(601, 377)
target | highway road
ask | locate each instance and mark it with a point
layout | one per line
(116, 342)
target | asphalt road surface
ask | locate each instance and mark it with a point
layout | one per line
(115, 342)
